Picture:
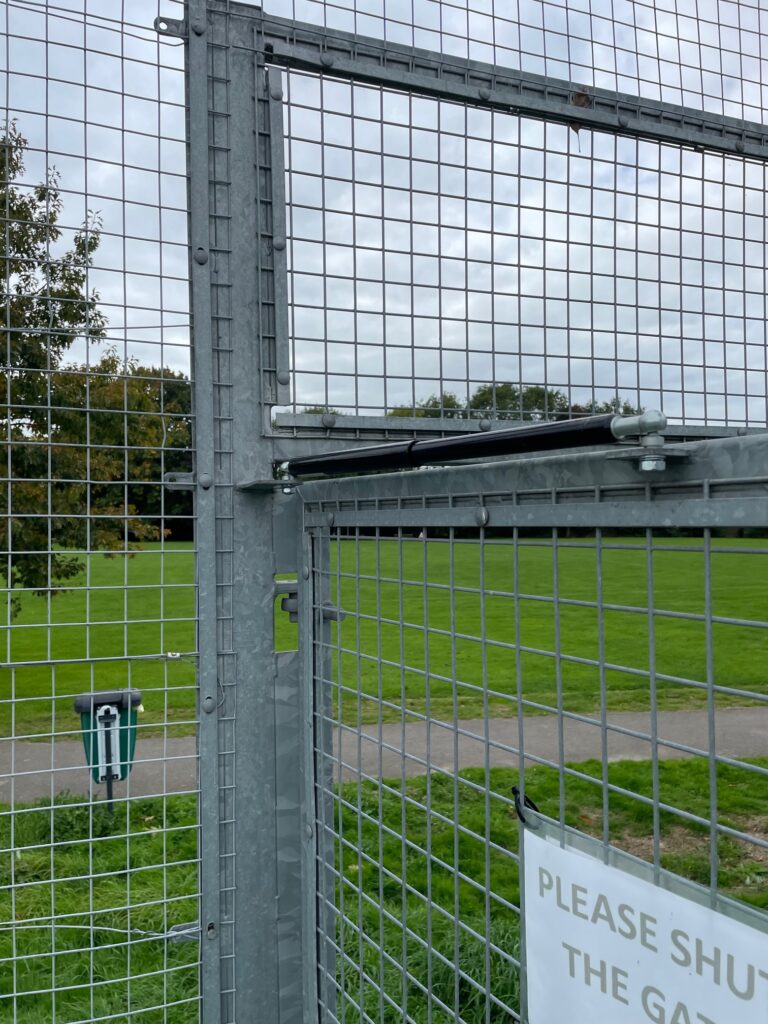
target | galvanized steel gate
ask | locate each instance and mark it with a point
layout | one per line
(458, 629)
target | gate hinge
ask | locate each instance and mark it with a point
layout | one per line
(290, 602)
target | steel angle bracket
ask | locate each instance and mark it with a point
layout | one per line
(175, 27)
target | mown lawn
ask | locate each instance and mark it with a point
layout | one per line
(450, 614)
(106, 880)
(374, 865)
(418, 618)
(118, 608)
(143, 859)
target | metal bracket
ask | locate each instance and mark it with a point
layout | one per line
(651, 456)
(179, 481)
(172, 27)
(266, 486)
(332, 614)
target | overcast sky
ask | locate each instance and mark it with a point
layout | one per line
(432, 247)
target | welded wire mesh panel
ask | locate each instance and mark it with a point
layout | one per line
(458, 261)
(614, 673)
(449, 260)
(98, 897)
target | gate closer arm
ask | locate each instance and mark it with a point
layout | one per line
(592, 430)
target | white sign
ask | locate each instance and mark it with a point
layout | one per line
(605, 947)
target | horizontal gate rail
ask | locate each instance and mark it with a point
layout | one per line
(292, 44)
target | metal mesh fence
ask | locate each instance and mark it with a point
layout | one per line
(445, 260)
(448, 260)
(614, 673)
(98, 898)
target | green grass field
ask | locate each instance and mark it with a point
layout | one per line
(685, 850)
(106, 879)
(132, 861)
(144, 605)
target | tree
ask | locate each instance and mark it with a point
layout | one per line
(515, 402)
(64, 489)
(507, 401)
(443, 406)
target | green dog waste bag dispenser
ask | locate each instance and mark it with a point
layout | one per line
(108, 721)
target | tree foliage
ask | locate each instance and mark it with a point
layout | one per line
(507, 401)
(82, 442)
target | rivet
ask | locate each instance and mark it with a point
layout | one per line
(326, 60)
(208, 705)
(201, 256)
(329, 420)
(198, 26)
(485, 424)
(283, 377)
(485, 94)
(205, 480)
(623, 122)
(278, 244)
(276, 92)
